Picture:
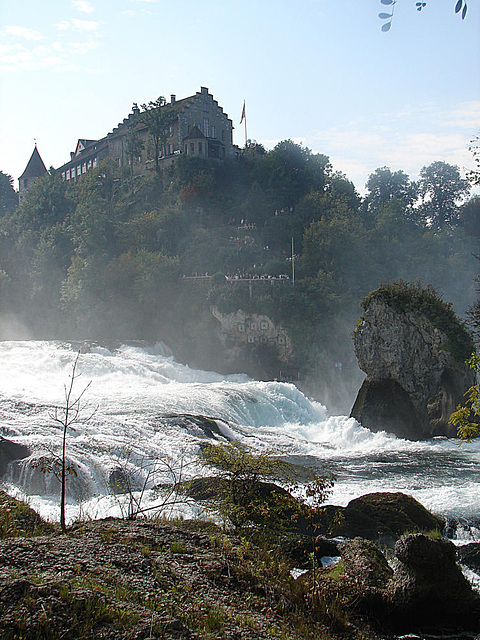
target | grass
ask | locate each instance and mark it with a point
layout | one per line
(17, 519)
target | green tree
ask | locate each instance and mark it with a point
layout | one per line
(441, 188)
(8, 195)
(248, 498)
(291, 171)
(467, 418)
(133, 150)
(469, 217)
(385, 186)
(158, 116)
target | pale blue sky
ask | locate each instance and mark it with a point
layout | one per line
(316, 71)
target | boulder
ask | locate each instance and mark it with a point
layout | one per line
(428, 588)
(469, 555)
(382, 517)
(425, 590)
(10, 451)
(412, 348)
(364, 563)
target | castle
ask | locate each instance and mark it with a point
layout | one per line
(199, 128)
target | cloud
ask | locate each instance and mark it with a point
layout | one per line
(408, 140)
(23, 32)
(78, 25)
(83, 6)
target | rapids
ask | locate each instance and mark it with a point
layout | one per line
(143, 401)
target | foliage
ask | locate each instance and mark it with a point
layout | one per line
(460, 7)
(249, 502)
(386, 187)
(8, 195)
(408, 296)
(158, 116)
(18, 519)
(467, 418)
(105, 258)
(441, 187)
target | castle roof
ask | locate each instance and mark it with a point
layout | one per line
(194, 134)
(35, 167)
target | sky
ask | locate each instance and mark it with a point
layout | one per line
(319, 72)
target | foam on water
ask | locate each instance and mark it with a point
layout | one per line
(134, 388)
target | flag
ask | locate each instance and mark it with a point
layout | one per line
(243, 113)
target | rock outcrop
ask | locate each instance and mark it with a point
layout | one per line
(425, 590)
(412, 348)
(10, 451)
(381, 517)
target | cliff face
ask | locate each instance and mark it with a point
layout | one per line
(413, 383)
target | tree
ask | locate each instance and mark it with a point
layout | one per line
(441, 189)
(467, 418)
(460, 6)
(247, 498)
(385, 186)
(469, 217)
(133, 150)
(66, 415)
(8, 195)
(158, 116)
(292, 170)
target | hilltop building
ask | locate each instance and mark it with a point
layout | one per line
(35, 169)
(201, 128)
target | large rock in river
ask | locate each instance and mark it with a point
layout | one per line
(413, 350)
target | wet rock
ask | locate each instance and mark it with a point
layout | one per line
(469, 555)
(120, 482)
(382, 517)
(428, 587)
(363, 562)
(10, 451)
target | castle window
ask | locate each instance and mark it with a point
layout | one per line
(200, 148)
(67, 174)
(89, 164)
(63, 175)
(212, 131)
(241, 328)
(206, 127)
(253, 326)
(84, 167)
(263, 324)
(263, 339)
(192, 147)
(281, 339)
(94, 162)
(251, 339)
(79, 170)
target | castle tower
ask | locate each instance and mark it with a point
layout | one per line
(35, 169)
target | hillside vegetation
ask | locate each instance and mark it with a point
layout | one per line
(112, 257)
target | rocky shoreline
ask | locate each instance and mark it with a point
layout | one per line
(121, 579)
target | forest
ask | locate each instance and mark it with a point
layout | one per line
(122, 257)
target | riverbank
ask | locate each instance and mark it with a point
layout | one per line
(146, 579)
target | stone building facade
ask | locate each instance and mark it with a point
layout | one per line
(201, 128)
(253, 329)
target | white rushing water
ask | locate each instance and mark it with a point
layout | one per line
(134, 389)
